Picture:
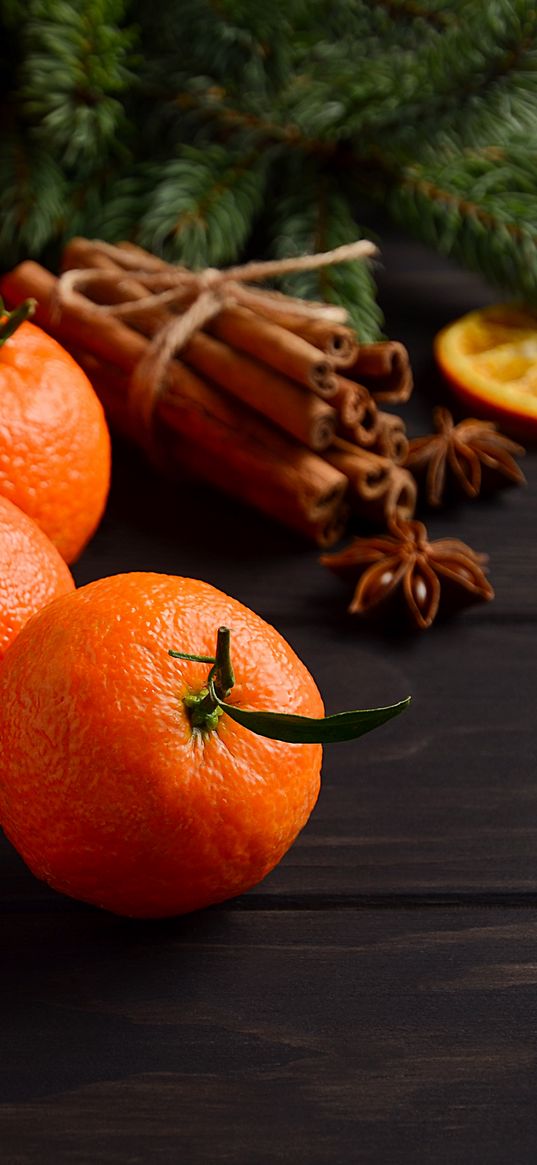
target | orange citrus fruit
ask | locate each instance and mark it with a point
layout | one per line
(107, 789)
(32, 573)
(489, 357)
(54, 441)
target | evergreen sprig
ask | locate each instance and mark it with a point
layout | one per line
(209, 131)
(202, 206)
(314, 215)
(72, 76)
(481, 208)
(33, 197)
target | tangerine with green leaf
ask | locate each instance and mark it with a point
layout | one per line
(141, 768)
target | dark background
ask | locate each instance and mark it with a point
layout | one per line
(375, 999)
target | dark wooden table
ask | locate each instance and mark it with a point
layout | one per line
(375, 999)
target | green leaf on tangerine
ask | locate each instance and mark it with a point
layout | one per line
(309, 730)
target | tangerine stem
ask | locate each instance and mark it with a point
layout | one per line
(204, 709)
(224, 676)
(13, 319)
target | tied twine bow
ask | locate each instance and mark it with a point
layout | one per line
(202, 295)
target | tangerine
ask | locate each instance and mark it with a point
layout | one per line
(54, 441)
(32, 572)
(108, 790)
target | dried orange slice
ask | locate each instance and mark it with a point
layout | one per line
(489, 358)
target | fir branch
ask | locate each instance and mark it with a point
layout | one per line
(471, 58)
(341, 96)
(481, 208)
(10, 47)
(313, 215)
(33, 197)
(114, 204)
(243, 46)
(422, 102)
(378, 83)
(504, 106)
(73, 73)
(433, 12)
(367, 28)
(203, 206)
(209, 104)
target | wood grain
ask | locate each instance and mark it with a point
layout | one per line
(374, 1001)
(260, 1038)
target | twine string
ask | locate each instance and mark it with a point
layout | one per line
(202, 295)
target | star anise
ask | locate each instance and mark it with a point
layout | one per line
(467, 456)
(403, 569)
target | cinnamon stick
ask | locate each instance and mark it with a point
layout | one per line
(368, 473)
(245, 329)
(337, 341)
(358, 413)
(86, 327)
(385, 370)
(305, 488)
(391, 439)
(80, 253)
(306, 495)
(379, 490)
(226, 441)
(268, 342)
(140, 259)
(301, 413)
(399, 501)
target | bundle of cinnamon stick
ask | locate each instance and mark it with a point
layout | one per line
(273, 407)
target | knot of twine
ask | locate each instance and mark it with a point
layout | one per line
(206, 293)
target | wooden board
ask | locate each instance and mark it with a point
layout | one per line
(328, 1036)
(373, 1002)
